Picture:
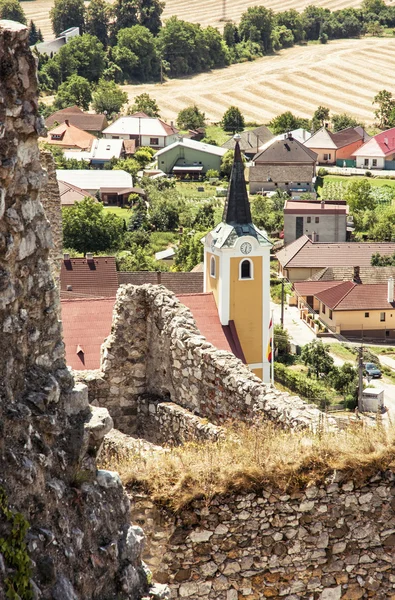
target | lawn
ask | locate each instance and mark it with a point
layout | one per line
(342, 352)
(374, 182)
(189, 189)
(215, 132)
(124, 213)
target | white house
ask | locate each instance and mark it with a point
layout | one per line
(378, 152)
(102, 152)
(113, 187)
(147, 131)
(53, 46)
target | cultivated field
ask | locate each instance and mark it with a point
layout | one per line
(206, 12)
(343, 75)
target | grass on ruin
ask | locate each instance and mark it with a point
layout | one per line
(249, 458)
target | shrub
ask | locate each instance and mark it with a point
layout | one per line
(304, 385)
(368, 173)
(212, 173)
(322, 172)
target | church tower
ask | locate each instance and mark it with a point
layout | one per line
(237, 272)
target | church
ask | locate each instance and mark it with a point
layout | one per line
(237, 272)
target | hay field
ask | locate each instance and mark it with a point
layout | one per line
(207, 12)
(343, 75)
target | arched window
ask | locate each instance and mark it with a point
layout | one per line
(212, 267)
(246, 269)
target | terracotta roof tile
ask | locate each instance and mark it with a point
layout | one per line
(311, 288)
(85, 121)
(71, 136)
(332, 296)
(95, 278)
(179, 283)
(367, 275)
(363, 297)
(86, 323)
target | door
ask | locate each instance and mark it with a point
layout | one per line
(299, 227)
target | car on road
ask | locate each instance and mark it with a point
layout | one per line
(372, 370)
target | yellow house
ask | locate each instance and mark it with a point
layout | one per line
(359, 311)
(237, 272)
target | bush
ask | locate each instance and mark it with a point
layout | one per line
(212, 173)
(322, 172)
(368, 173)
(323, 38)
(303, 385)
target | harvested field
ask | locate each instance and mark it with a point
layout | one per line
(344, 75)
(209, 12)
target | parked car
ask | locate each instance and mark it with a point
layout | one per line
(372, 370)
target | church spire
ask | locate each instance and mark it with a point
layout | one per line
(237, 207)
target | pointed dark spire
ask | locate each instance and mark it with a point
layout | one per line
(237, 207)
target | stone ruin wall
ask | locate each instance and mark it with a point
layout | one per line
(156, 356)
(80, 540)
(331, 541)
(49, 198)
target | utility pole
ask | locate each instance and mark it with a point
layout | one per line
(223, 10)
(161, 71)
(360, 377)
(282, 303)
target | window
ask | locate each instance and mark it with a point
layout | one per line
(56, 136)
(246, 269)
(374, 162)
(309, 219)
(387, 333)
(366, 315)
(382, 316)
(154, 141)
(317, 219)
(323, 308)
(212, 267)
(327, 156)
(317, 238)
(330, 314)
(366, 162)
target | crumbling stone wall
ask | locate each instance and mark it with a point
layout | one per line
(155, 348)
(80, 538)
(50, 199)
(332, 541)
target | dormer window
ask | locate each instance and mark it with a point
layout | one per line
(246, 269)
(213, 267)
(56, 136)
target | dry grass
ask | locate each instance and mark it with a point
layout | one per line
(344, 75)
(249, 458)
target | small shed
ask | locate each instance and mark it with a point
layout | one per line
(372, 400)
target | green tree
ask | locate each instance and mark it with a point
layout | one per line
(343, 121)
(12, 10)
(217, 51)
(282, 342)
(108, 97)
(205, 217)
(256, 24)
(282, 37)
(182, 45)
(373, 6)
(292, 20)
(320, 117)
(344, 379)
(125, 14)
(144, 156)
(268, 213)
(383, 230)
(316, 356)
(75, 90)
(139, 217)
(231, 35)
(83, 55)
(129, 165)
(375, 28)
(67, 13)
(144, 103)
(137, 259)
(359, 195)
(190, 251)
(150, 15)
(33, 34)
(385, 111)
(190, 118)
(97, 20)
(140, 42)
(233, 120)
(287, 122)
(164, 216)
(87, 227)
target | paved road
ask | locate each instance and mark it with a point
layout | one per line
(299, 332)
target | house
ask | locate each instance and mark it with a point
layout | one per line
(101, 152)
(336, 148)
(146, 131)
(113, 187)
(250, 141)
(303, 258)
(70, 194)
(89, 122)
(354, 310)
(284, 164)
(92, 276)
(53, 46)
(378, 152)
(69, 137)
(320, 221)
(190, 158)
(357, 274)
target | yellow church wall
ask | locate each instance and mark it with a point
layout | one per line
(258, 372)
(246, 309)
(212, 282)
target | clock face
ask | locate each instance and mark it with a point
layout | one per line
(246, 247)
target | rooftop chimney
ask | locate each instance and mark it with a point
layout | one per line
(322, 203)
(67, 122)
(386, 141)
(356, 278)
(390, 290)
(66, 256)
(89, 256)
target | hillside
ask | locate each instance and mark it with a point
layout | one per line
(344, 75)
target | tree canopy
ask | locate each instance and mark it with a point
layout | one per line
(287, 122)
(144, 103)
(97, 20)
(67, 13)
(108, 97)
(317, 357)
(190, 118)
(75, 90)
(12, 10)
(233, 120)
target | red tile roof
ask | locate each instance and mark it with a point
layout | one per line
(86, 324)
(296, 207)
(311, 288)
(359, 297)
(70, 137)
(305, 254)
(332, 296)
(85, 121)
(95, 278)
(179, 283)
